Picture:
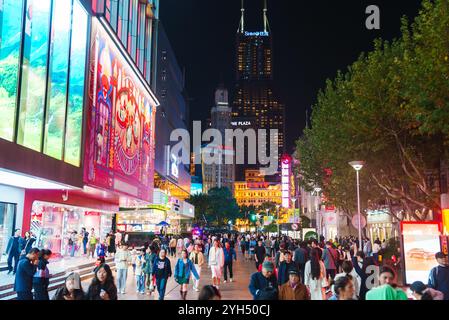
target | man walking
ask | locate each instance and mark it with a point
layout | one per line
(26, 269)
(229, 255)
(330, 257)
(259, 254)
(263, 285)
(13, 249)
(439, 275)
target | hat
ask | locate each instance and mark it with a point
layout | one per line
(268, 266)
(294, 272)
(418, 286)
(440, 255)
(76, 280)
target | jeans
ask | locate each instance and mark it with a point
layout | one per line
(196, 282)
(72, 250)
(161, 285)
(227, 265)
(140, 283)
(122, 274)
(40, 292)
(24, 295)
(85, 246)
(14, 256)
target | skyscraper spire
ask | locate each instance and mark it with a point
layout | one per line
(266, 25)
(242, 19)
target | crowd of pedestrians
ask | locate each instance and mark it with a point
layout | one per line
(284, 269)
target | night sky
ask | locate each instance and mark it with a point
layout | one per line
(312, 40)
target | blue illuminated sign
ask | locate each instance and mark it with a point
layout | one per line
(256, 34)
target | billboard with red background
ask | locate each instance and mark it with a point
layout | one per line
(119, 144)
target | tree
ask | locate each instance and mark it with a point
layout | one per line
(381, 111)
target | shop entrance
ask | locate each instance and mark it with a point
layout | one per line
(54, 223)
(7, 225)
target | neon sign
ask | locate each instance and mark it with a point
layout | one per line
(256, 34)
(286, 161)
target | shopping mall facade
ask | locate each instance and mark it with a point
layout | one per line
(77, 136)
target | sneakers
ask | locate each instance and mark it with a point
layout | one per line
(224, 281)
(231, 280)
(123, 292)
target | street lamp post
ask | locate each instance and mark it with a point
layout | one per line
(358, 165)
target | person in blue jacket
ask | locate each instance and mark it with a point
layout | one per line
(285, 267)
(183, 269)
(229, 255)
(15, 246)
(41, 278)
(439, 275)
(263, 285)
(161, 271)
(26, 269)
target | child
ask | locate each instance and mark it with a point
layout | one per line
(101, 249)
(140, 277)
(133, 259)
(99, 262)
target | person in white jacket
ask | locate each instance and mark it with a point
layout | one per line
(216, 262)
(348, 269)
(315, 276)
(122, 260)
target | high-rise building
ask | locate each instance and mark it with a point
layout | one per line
(255, 100)
(221, 174)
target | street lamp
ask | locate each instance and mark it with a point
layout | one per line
(317, 191)
(358, 165)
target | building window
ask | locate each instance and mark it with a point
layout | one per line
(74, 126)
(122, 26)
(133, 22)
(34, 69)
(57, 80)
(10, 35)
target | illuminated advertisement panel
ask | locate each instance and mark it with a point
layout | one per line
(285, 180)
(120, 124)
(421, 241)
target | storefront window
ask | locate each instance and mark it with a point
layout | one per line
(53, 224)
(57, 82)
(33, 83)
(10, 35)
(76, 86)
(7, 220)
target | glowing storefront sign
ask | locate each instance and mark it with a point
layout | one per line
(285, 180)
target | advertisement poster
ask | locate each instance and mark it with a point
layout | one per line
(309, 233)
(120, 136)
(421, 242)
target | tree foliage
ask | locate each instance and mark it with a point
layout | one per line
(390, 109)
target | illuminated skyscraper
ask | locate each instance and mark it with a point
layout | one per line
(255, 99)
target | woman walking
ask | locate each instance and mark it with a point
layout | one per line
(197, 258)
(150, 256)
(102, 286)
(183, 269)
(162, 271)
(216, 262)
(122, 261)
(315, 276)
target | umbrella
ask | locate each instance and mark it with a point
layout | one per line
(163, 224)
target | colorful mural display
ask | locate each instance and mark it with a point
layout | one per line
(120, 127)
